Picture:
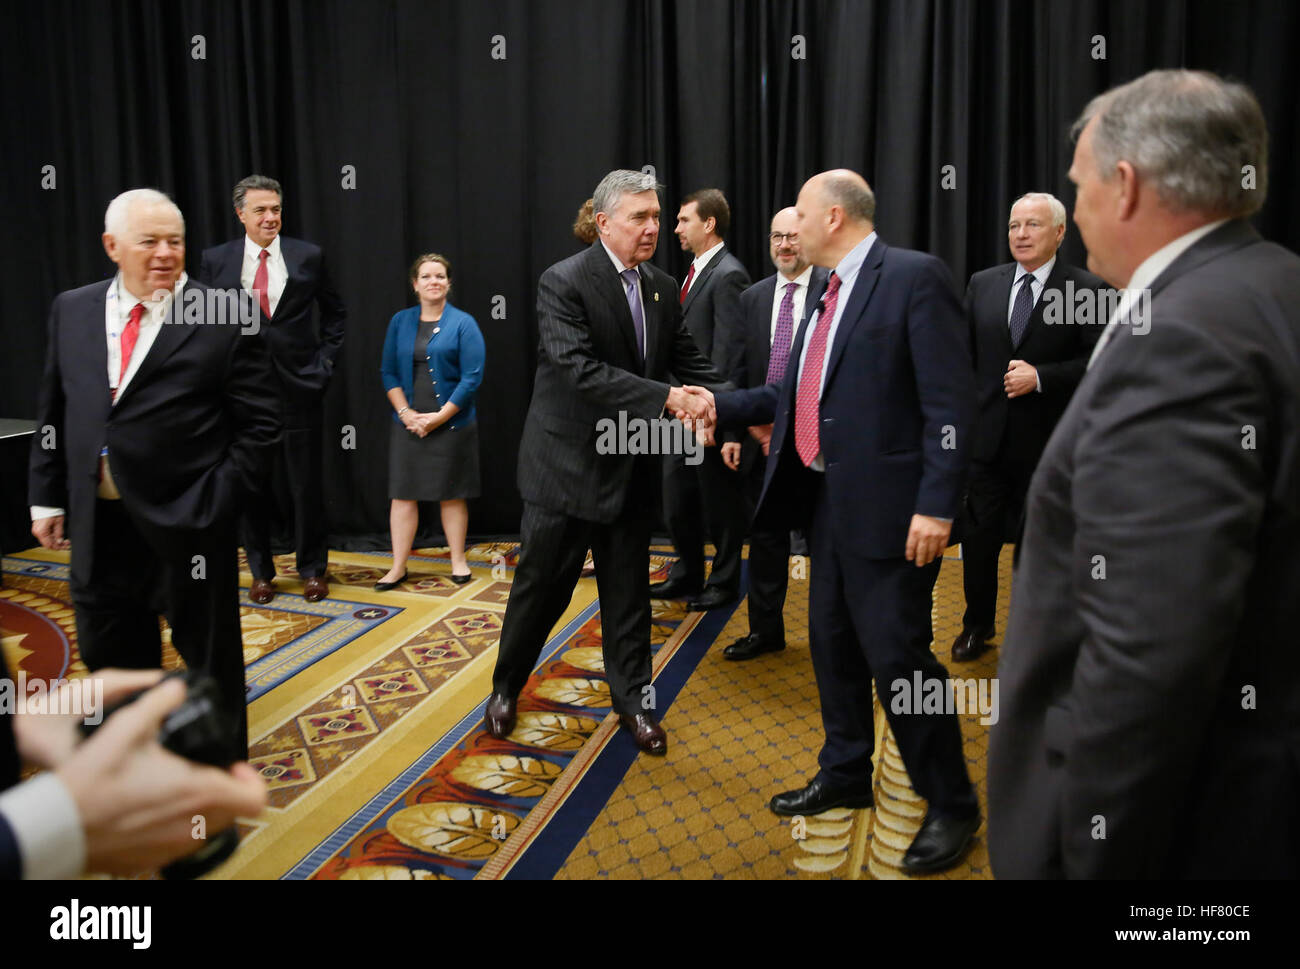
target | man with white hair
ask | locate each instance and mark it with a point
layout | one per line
(1150, 715)
(1027, 364)
(152, 423)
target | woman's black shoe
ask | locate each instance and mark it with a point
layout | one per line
(385, 586)
(461, 579)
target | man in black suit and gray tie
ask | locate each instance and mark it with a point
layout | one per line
(1027, 364)
(289, 278)
(610, 332)
(1150, 714)
(708, 493)
(771, 310)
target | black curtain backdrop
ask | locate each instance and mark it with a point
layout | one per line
(486, 158)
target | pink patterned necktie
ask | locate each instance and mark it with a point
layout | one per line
(807, 401)
(260, 284)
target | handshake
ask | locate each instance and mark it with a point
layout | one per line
(695, 407)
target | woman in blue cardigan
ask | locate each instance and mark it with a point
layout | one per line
(433, 365)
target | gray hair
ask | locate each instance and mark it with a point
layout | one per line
(618, 183)
(1053, 203)
(117, 217)
(1190, 134)
(262, 182)
(856, 198)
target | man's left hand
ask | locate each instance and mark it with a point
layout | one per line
(1021, 378)
(731, 455)
(926, 539)
(47, 737)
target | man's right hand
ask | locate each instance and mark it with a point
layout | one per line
(49, 532)
(138, 802)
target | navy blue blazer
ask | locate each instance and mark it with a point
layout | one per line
(456, 356)
(897, 412)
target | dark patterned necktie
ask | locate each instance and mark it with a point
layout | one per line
(781, 339)
(1024, 306)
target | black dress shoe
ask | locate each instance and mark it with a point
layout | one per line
(747, 647)
(649, 736)
(939, 844)
(712, 598)
(500, 715)
(970, 645)
(385, 586)
(461, 579)
(673, 589)
(817, 797)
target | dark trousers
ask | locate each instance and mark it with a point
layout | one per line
(706, 495)
(553, 547)
(870, 619)
(190, 576)
(994, 505)
(293, 482)
(769, 566)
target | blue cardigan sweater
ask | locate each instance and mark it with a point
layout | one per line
(456, 355)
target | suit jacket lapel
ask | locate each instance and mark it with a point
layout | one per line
(761, 333)
(609, 284)
(698, 282)
(172, 332)
(863, 287)
(292, 264)
(91, 349)
(998, 298)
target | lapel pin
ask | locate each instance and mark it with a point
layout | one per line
(656, 296)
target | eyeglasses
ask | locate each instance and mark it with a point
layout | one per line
(776, 237)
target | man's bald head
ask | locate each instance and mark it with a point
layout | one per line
(837, 210)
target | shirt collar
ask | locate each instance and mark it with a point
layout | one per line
(848, 267)
(251, 248)
(1040, 274)
(618, 263)
(154, 308)
(1160, 260)
(802, 280)
(703, 258)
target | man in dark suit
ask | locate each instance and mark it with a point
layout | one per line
(771, 311)
(709, 492)
(610, 333)
(1150, 708)
(289, 277)
(153, 426)
(1027, 364)
(870, 449)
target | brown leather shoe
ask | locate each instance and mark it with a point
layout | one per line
(500, 715)
(650, 737)
(316, 588)
(970, 645)
(261, 591)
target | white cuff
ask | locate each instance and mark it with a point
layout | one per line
(47, 827)
(41, 511)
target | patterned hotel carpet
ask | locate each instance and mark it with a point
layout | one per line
(366, 720)
(741, 732)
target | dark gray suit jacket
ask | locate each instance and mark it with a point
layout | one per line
(1149, 684)
(1059, 351)
(589, 368)
(712, 306)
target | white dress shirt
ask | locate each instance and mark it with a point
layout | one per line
(277, 273)
(1145, 275)
(801, 283)
(847, 271)
(47, 826)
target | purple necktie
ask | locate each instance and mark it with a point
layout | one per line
(781, 339)
(630, 282)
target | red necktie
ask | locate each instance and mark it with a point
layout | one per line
(260, 286)
(130, 333)
(687, 285)
(807, 401)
